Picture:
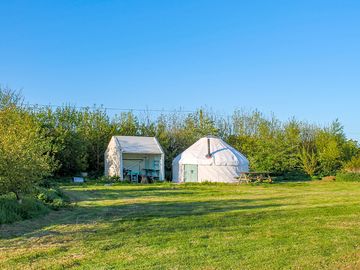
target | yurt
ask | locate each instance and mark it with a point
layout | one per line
(210, 159)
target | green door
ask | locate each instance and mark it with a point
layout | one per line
(190, 173)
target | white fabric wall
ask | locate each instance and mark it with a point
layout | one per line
(162, 168)
(225, 163)
(225, 174)
(112, 160)
(208, 173)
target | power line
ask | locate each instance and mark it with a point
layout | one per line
(129, 110)
(109, 108)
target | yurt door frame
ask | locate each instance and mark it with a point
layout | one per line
(190, 173)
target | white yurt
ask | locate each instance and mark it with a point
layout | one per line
(210, 159)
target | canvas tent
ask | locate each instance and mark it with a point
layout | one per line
(209, 159)
(134, 156)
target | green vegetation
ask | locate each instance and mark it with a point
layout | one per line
(25, 150)
(348, 177)
(80, 137)
(52, 197)
(353, 166)
(11, 210)
(75, 139)
(308, 225)
(44, 142)
(38, 203)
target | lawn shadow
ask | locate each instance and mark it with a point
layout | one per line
(111, 194)
(137, 211)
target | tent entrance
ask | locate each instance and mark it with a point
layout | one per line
(190, 173)
(136, 166)
(133, 164)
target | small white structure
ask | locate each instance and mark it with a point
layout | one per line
(210, 159)
(133, 157)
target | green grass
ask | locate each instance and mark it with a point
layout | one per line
(312, 225)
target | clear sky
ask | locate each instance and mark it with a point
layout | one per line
(293, 58)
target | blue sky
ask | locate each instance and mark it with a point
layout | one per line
(292, 58)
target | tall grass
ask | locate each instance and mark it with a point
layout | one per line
(11, 210)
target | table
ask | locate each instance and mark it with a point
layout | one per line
(254, 177)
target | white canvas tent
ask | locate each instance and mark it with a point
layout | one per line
(209, 159)
(133, 156)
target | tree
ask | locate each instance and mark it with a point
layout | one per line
(62, 127)
(127, 124)
(95, 130)
(329, 143)
(309, 161)
(24, 149)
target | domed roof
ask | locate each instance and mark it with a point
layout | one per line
(221, 154)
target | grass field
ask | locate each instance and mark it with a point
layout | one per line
(310, 225)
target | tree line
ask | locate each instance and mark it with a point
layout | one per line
(65, 141)
(80, 137)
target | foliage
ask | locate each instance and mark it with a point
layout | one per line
(328, 144)
(348, 177)
(24, 149)
(11, 210)
(52, 197)
(62, 126)
(95, 130)
(108, 179)
(269, 144)
(79, 137)
(353, 166)
(309, 161)
(293, 176)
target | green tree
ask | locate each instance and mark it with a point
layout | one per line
(329, 142)
(309, 161)
(95, 130)
(24, 149)
(62, 126)
(127, 124)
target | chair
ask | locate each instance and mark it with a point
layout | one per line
(135, 178)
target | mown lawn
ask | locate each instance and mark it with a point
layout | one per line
(312, 225)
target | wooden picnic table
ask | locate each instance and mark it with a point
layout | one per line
(250, 177)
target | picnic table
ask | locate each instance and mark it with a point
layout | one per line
(251, 177)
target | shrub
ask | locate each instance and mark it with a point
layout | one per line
(109, 179)
(11, 210)
(353, 166)
(348, 177)
(53, 197)
(293, 176)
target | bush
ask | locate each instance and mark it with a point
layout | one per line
(11, 210)
(53, 197)
(353, 166)
(348, 177)
(293, 176)
(109, 179)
